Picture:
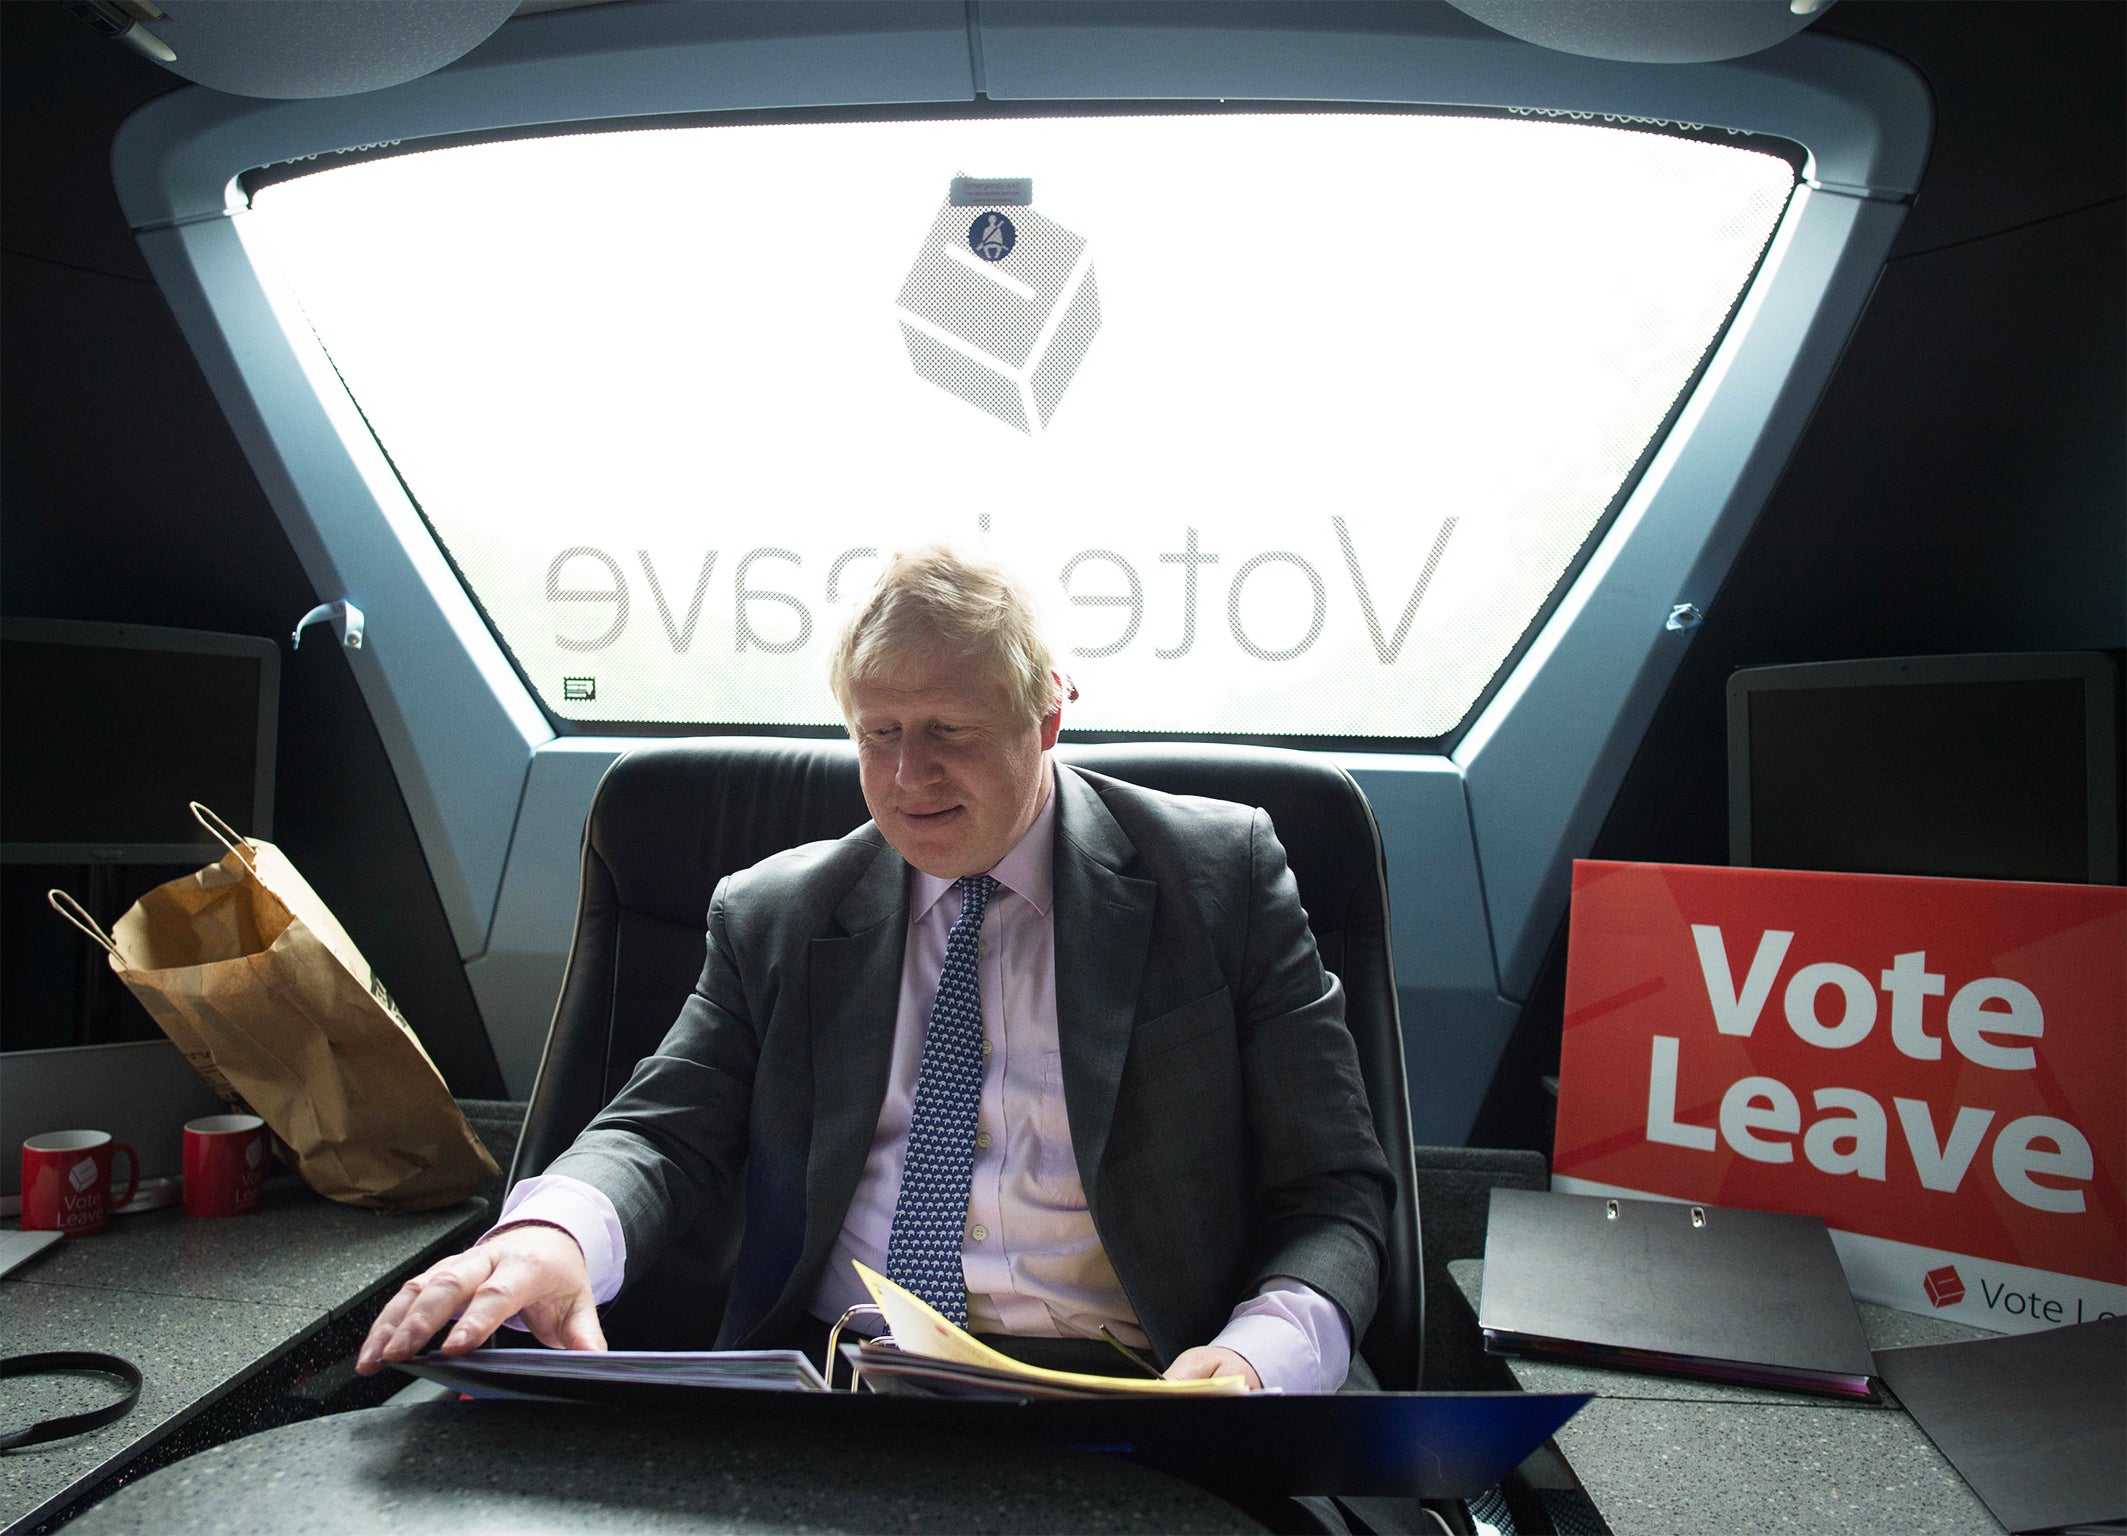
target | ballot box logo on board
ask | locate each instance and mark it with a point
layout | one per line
(1945, 1287)
(1932, 1066)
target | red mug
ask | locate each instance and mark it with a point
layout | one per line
(226, 1158)
(66, 1182)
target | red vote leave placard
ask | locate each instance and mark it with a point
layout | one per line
(1938, 1068)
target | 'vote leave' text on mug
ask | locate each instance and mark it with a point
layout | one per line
(226, 1158)
(66, 1181)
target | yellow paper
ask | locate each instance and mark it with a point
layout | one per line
(918, 1328)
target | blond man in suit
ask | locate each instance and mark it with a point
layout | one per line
(1171, 1142)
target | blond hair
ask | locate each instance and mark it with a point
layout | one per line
(936, 600)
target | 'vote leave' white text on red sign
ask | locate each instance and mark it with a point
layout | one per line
(1938, 1068)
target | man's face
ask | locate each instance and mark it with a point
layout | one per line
(952, 776)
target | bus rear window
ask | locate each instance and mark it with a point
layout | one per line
(1300, 419)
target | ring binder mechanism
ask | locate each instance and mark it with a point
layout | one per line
(834, 1339)
(929, 1352)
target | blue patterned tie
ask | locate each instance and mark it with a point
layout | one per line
(930, 1213)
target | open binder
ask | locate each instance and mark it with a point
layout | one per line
(1431, 1445)
(1755, 1297)
(1434, 1445)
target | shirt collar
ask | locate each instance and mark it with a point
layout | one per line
(1028, 870)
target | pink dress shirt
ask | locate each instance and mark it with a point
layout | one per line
(1034, 1264)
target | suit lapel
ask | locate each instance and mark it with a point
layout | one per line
(1103, 929)
(854, 991)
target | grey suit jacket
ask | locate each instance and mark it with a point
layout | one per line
(1214, 1098)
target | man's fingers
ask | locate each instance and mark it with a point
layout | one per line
(552, 1299)
(1207, 1360)
(437, 1302)
(506, 1291)
(1193, 1365)
(377, 1343)
(371, 1355)
(420, 1309)
(532, 1269)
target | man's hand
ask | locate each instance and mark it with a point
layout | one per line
(536, 1271)
(1212, 1360)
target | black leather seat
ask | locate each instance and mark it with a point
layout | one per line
(670, 820)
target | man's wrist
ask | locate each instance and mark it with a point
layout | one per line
(521, 1222)
(582, 1211)
(1295, 1338)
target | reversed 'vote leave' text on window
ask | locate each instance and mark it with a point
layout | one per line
(1297, 419)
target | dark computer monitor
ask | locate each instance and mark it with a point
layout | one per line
(2001, 767)
(107, 731)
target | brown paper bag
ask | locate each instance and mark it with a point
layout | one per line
(252, 977)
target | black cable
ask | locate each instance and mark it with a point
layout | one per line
(55, 1362)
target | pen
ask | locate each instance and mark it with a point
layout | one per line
(1143, 1362)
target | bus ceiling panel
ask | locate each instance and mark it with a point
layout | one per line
(1544, 760)
(1864, 116)
(456, 722)
(177, 158)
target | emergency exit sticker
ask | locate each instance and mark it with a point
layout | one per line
(1938, 1068)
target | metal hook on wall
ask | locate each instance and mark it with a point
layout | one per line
(343, 616)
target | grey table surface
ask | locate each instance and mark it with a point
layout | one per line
(1670, 1454)
(199, 1306)
(529, 1469)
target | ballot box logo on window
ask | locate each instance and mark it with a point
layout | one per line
(1933, 1066)
(1000, 311)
